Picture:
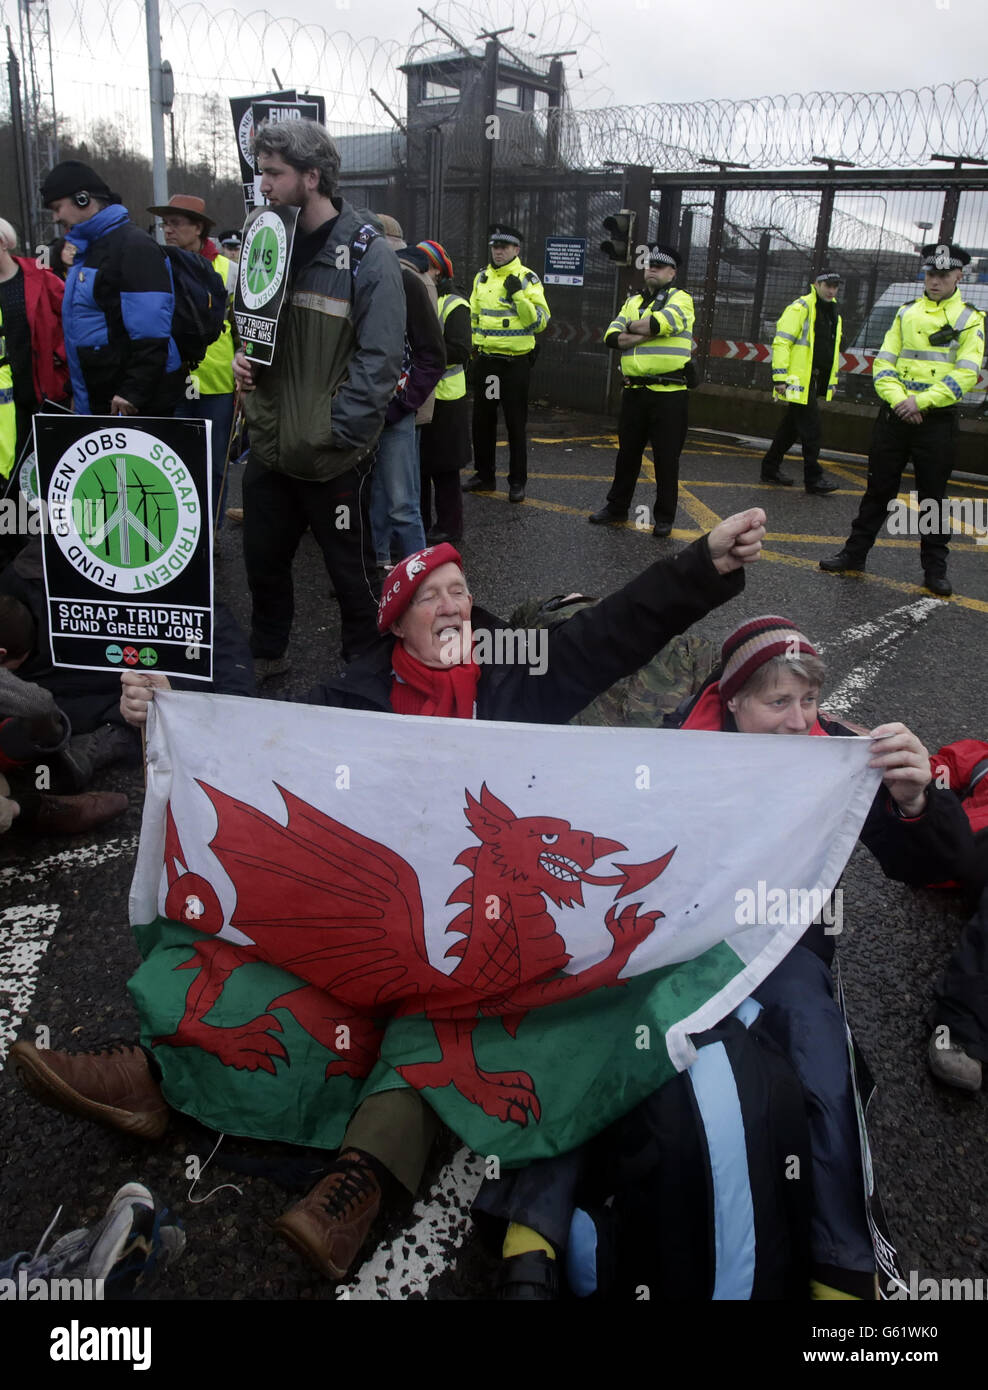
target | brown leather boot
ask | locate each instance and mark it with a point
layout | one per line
(329, 1226)
(69, 815)
(112, 1086)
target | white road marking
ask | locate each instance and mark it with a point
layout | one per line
(24, 936)
(424, 1250)
(85, 857)
(883, 634)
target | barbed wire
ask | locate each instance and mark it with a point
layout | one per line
(100, 44)
(877, 130)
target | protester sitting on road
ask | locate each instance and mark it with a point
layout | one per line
(34, 735)
(422, 665)
(769, 682)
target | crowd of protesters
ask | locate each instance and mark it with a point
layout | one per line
(364, 414)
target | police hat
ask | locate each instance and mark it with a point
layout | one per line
(944, 257)
(664, 255)
(500, 231)
(832, 275)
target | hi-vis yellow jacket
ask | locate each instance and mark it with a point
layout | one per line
(792, 349)
(215, 372)
(502, 324)
(8, 411)
(909, 365)
(671, 345)
(453, 382)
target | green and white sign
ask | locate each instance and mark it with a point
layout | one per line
(127, 549)
(262, 278)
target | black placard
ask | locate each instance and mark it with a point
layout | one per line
(127, 542)
(262, 275)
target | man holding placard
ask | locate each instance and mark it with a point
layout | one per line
(316, 411)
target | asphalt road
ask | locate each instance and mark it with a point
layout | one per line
(893, 652)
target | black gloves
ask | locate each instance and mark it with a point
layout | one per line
(512, 285)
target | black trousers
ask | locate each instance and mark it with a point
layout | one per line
(659, 418)
(277, 512)
(962, 991)
(800, 422)
(894, 442)
(501, 381)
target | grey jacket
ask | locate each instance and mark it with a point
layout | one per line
(319, 408)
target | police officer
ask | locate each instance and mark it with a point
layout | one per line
(654, 335)
(507, 309)
(930, 358)
(805, 353)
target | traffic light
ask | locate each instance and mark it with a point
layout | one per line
(620, 227)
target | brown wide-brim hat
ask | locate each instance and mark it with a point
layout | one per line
(188, 206)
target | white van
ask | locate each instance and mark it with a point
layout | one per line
(879, 321)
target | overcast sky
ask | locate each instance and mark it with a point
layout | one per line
(682, 50)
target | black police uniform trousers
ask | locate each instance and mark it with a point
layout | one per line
(277, 512)
(894, 442)
(659, 418)
(509, 389)
(800, 422)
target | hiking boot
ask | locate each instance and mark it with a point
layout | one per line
(842, 562)
(516, 493)
(267, 667)
(112, 1085)
(661, 529)
(605, 517)
(938, 584)
(71, 815)
(329, 1226)
(531, 1276)
(953, 1066)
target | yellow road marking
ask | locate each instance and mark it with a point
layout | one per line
(704, 517)
(707, 520)
(798, 561)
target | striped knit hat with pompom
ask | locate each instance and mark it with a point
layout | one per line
(754, 643)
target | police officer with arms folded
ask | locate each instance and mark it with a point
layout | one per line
(507, 309)
(654, 335)
(805, 353)
(930, 358)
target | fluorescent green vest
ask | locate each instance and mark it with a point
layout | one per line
(668, 350)
(214, 373)
(453, 382)
(909, 364)
(8, 411)
(504, 325)
(792, 349)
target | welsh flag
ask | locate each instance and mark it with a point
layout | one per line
(525, 922)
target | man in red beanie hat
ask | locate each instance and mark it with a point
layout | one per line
(424, 664)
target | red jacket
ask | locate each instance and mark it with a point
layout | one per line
(43, 292)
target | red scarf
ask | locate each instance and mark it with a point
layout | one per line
(450, 692)
(709, 713)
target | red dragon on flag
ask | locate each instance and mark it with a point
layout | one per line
(344, 914)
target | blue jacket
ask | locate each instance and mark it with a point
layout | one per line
(117, 317)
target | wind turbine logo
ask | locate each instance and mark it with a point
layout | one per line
(125, 527)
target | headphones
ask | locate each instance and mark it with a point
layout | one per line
(82, 199)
